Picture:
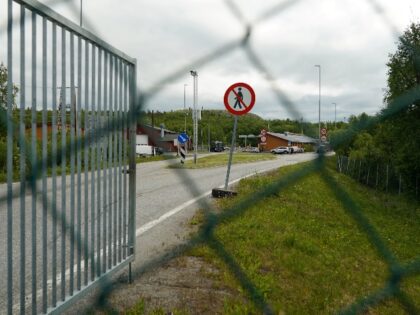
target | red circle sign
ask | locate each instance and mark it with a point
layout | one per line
(239, 98)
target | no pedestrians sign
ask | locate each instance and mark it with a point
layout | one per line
(239, 98)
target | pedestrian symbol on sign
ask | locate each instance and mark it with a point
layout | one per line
(239, 98)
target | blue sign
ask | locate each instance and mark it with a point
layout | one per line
(182, 138)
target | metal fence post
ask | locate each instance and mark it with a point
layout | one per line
(399, 185)
(367, 176)
(132, 162)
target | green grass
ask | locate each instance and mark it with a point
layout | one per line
(300, 252)
(215, 160)
(145, 159)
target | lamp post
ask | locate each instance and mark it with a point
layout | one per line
(335, 115)
(195, 131)
(185, 112)
(319, 104)
(81, 13)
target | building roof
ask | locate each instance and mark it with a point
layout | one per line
(169, 137)
(157, 128)
(293, 137)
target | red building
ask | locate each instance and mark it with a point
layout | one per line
(274, 140)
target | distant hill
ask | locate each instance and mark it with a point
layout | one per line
(218, 124)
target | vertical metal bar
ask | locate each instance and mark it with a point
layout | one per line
(22, 146)
(399, 185)
(348, 165)
(125, 135)
(72, 165)
(54, 165)
(86, 144)
(120, 183)
(367, 176)
(115, 154)
(354, 168)
(105, 164)
(79, 163)
(44, 168)
(63, 164)
(110, 127)
(92, 153)
(99, 165)
(33, 167)
(9, 158)
(132, 175)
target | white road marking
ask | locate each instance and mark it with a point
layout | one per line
(149, 225)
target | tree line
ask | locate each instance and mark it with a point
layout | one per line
(392, 136)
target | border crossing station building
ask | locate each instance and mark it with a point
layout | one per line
(274, 140)
(157, 137)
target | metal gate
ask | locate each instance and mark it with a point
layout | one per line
(67, 212)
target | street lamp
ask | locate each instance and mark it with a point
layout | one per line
(185, 112)
(319, 103)
(195, 129)
(335, 115)
(81, 13)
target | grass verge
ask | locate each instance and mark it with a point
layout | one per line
(215, 160)
(301, 251)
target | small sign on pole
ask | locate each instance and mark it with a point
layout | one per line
(182, 139)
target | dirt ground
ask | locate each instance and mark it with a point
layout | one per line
(174, 284)
(184, 284)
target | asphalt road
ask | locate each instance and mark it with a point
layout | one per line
(165, 199)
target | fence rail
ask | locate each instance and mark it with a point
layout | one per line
(70, 217)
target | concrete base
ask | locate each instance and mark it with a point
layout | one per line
(222, 193)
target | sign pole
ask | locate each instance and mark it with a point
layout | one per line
(235, 124)
(239, 99)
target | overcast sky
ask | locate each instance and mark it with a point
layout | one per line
(349, 39)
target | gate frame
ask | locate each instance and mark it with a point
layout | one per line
(59, 20)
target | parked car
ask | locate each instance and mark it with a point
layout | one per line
(296, 149)
(280, 150)
(217, 146)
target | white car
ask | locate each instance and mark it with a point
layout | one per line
(280, 150)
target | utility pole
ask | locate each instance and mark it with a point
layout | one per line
(195, 79)
(335, 116)
(185, 112)
(209, 134)
(319, 104)
(81, 13)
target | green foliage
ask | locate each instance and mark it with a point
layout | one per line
(218, 124)
(3, 87)
(392, 136)
(404, 64)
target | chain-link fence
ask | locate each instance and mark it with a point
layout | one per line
(398, 271)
